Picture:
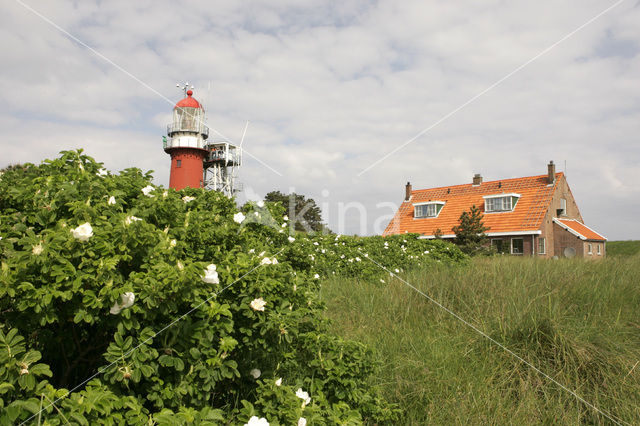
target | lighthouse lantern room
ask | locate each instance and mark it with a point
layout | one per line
(195, 161)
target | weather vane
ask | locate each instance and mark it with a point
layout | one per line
(184, 87)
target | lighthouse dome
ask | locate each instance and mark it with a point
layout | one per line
(188, 102)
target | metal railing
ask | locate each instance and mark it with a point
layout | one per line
(197, 127)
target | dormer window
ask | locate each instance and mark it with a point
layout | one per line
(500, 202)
(427, 209)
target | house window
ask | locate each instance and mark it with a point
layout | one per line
(598, 249)
(178, 163)
(517, 246)
(542, 246)
(498, 245)
(563, 207)
(500, 203)
(590, 249)
(430, 209)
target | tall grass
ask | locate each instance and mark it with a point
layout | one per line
(577, 321)
(623, 248)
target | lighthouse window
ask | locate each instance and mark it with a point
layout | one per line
(178, 163)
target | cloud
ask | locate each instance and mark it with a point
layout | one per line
(331, 87)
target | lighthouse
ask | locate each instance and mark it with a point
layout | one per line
(186, 143)
(197, 162)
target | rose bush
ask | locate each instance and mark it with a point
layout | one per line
(123, 302)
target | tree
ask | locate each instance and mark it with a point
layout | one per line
(470, 233)
(304, 214)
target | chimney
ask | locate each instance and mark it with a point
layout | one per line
(407, 193)
(477, 179)
(551, 172)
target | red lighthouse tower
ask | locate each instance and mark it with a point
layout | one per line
(186, 143)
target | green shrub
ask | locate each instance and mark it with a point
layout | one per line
(108, 293)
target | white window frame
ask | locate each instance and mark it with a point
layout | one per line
(544, 245)
(512, 240)
(430, 205)
(599, 249)
(590, 247)
(563, 206)
(506, 202)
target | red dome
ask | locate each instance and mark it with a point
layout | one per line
(189, 102)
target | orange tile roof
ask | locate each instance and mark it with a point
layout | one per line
(579, 229)
(528, 214)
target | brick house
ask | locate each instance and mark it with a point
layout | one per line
(530, 216)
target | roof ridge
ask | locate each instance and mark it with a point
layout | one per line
(558, 174)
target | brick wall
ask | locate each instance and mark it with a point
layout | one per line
(548, 228)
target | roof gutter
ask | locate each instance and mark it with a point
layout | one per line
(488, 234)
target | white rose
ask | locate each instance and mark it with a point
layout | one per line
(82, 232)
(238, 217)
(260, 203)
(127, 300)
(147, 190)
(316, 276)
(255, 421)
(37, 249)
(111, 201)
(285, 218)
(187, 199)
(266, 261)
(302, 421)
(279, 381)
(291, 239)
(172, 243)
(130, 219)
(102, 172)
(258, 304)
(303, 396)
(255, 373)
(210, 275)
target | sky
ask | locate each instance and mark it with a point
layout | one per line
(346, 100)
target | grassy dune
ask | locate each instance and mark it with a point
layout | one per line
(623, 248)
(577, 321)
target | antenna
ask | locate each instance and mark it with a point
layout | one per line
(184, 87)
(244, 133)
